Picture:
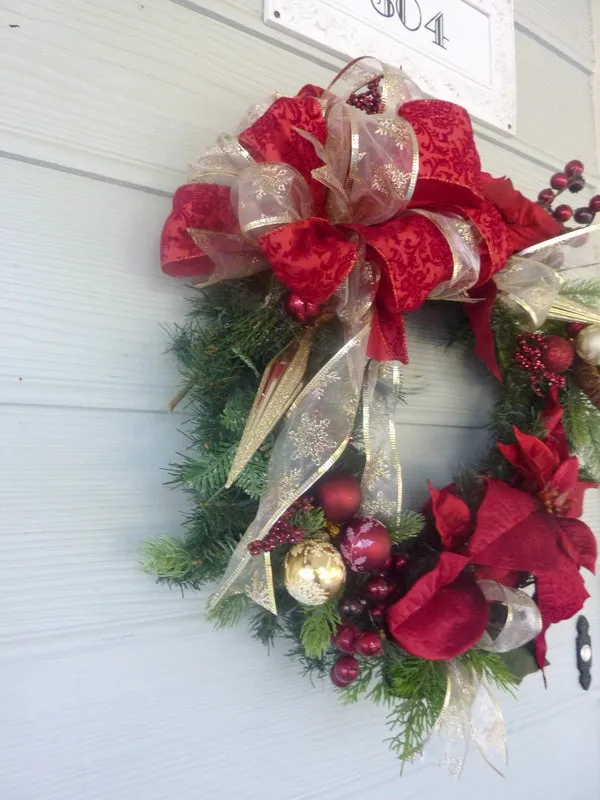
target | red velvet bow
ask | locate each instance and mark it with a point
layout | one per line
(313, 256)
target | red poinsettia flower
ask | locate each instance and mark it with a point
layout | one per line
(528, 529)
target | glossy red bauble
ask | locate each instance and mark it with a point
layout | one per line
(300, 309)
(574, 167)
(339, 496)
(365, 544)
(546, 196)
(368, 644)
(563, 213)
(345, 639)
(377, 590)
(594, 204)
(345, 671)
(559, 181)
(558, 354)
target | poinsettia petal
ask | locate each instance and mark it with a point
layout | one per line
(559, 595)
(532, 458)
(565, 477)
(452, 517)
(442, 615)
(578, 542)
(529, 546)
(574, 505)
(502, 508)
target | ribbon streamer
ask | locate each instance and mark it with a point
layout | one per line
(470, 714)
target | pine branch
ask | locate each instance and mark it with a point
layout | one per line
(229, 611)
(410, 525)
(320, 623)
(491, 668)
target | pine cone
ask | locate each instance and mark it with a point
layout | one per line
(588, 379)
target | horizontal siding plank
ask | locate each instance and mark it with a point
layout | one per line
(122, 88)
(83, 298)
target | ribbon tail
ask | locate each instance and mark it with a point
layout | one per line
(480, 319)
(313, 436)
(381, 486)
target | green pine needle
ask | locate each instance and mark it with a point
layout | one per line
(320, 623)
(166, 558)
(410, 524)
(229, 611)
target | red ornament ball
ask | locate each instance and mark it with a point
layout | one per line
(345, 671)
(339, 496)
(365, 545)
(574, 167)
(368, 644)
(563, 213)
(545, 196)
(594, 204)
(300, 309)
(345, 639)
(377, 590)
(558, 354)
(559, 181)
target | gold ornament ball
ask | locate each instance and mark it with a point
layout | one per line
(314, 572)
(587, 344)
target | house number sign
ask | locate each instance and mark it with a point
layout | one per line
(457, 50)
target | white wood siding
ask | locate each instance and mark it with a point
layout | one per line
(112, 688)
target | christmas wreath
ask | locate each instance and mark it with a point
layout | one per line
(310, 235)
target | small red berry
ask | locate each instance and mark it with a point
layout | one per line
(574, 167)
(563, 213)
(594, 204)
(345, 639)
(583, 216)
(400, 562)
(577, 183)
(345, 671)
(545, 196)
(377, 590)
(559, 181)
(368, 644)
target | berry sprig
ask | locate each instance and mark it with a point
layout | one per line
(368, 99)
(570, 179)
(283, 531)
(543, 358)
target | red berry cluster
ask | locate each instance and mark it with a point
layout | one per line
(531, 356)
(369, 99)
(283, 531)
(570, 178)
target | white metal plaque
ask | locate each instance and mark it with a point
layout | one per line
(457, 50)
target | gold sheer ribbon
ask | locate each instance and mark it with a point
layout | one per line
(530, 284)
(470, 715)
(370, 167)
(523, 619)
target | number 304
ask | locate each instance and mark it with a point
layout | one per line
(410, 15)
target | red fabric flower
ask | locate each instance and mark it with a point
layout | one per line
(528, 223)
(531, 528)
